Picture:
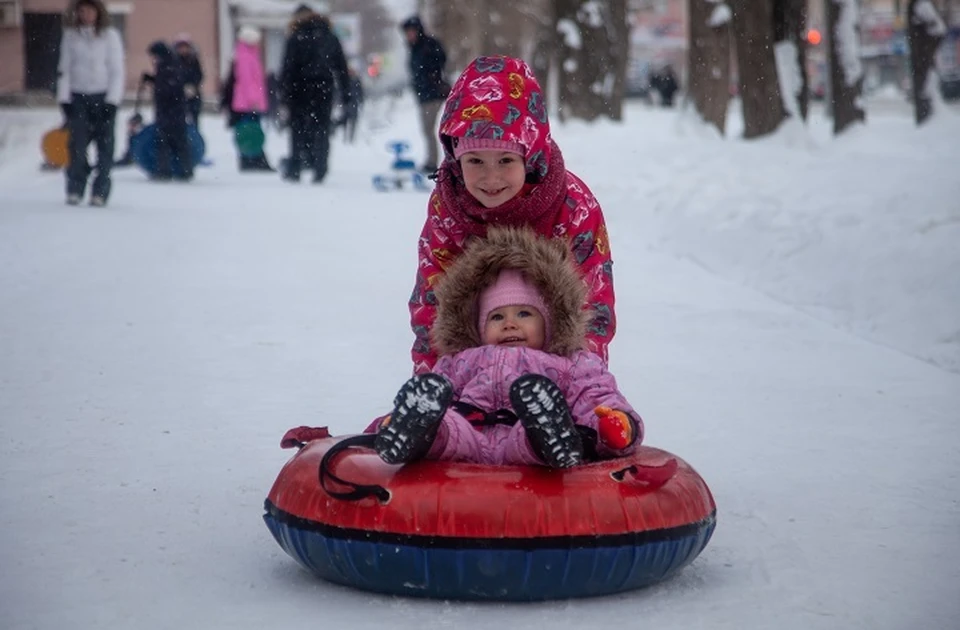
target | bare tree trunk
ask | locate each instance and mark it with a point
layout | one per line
(790, 27)
(485, 27)
(846, 71)
(618, 52)
(457, 28)
(510, 28)
(544, 54)
(925, 31)
(759, 88)
(709, 60)
(592, 58)
(533, 17)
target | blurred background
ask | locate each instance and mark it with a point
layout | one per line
(655, 34)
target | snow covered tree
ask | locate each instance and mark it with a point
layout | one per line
(379, 24)
(846, 71)
(486, 27)
(708, 56)
(545, 42)
(592, 58)
(925, 31)
(790, 48)
(763, 109)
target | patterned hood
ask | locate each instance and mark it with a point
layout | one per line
(499, 98)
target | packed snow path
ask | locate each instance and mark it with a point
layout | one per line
(155, 351)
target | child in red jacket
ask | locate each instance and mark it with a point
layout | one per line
(502, 167)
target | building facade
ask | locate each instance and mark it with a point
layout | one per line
(30, 32)
(31, 29)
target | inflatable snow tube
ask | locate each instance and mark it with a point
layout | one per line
(475, 532)
(144, 148)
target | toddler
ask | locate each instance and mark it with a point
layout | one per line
(514, 384)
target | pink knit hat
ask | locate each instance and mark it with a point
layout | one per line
(465, 145)
(512, 289)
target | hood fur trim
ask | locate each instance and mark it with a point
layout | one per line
(547, 263)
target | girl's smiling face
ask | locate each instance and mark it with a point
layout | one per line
(515, 326)
(493, 177)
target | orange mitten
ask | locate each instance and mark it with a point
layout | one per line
(616, 429)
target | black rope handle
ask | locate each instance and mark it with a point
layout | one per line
(652, 476)
(360, 491)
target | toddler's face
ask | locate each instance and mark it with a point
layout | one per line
(515, 326)
(493, 177)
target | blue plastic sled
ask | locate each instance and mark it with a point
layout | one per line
(403, 171)
(144, 148)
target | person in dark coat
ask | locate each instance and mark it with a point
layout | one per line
(273, 102)
(170, 112)
(665, 82)
(192, 76)
(353, 101)
(314, 69)
(427, 59)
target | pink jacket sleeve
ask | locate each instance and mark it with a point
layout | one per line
(587, 232)
(435, 248)
(592, 385)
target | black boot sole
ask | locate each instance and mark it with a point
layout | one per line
(417, 411)
(545, 416)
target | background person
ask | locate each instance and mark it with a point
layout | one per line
(89, 89)
(427, 59)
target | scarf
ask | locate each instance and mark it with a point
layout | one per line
(536, 207)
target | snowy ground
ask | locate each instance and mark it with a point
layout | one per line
(789, 314)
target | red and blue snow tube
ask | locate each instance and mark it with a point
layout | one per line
(476, 532)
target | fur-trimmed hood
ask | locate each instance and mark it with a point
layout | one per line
(547, 263)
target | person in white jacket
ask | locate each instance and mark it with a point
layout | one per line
(89, 89)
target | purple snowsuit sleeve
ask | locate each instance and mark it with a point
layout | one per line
(447, 367)
(592, 385)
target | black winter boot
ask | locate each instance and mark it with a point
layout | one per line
(545, 416)
(417, 410)
(260, 163)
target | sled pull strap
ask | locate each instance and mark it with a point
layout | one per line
(360, 491)
(652, 476)
(299, 436)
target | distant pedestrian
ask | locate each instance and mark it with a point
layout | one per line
(170, 114)
(427, 60)
(314, 69)
(245, 98)
(192, 76)
(89, 89)
(665, 82)
(352, 103)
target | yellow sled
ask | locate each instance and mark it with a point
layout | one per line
(54, 148)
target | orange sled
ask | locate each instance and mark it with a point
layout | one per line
(54, 148)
